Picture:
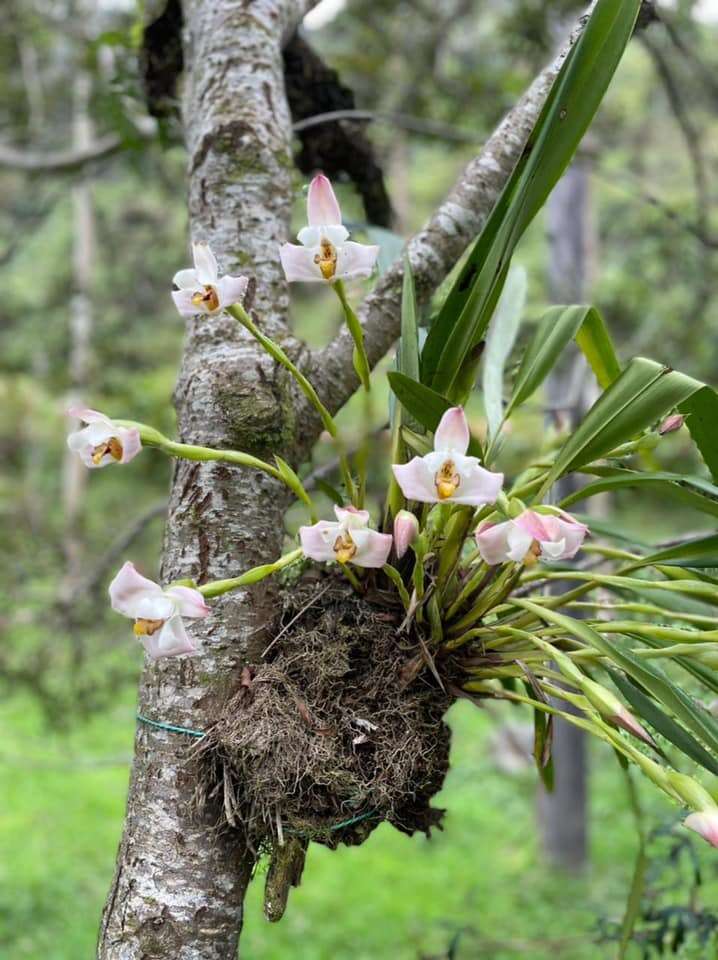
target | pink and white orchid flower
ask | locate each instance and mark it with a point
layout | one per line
(447, 474)
(157, 613)
(348, 540)
(530, 536)
(101, 442)
(705, 824)
(202, 290)
(325, 254)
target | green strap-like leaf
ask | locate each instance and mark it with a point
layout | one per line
(499, 342)
(567, 113)
(643, 393)
(595, 342)
(701, 411)
(698, 720)
(662, 723)
(693, 491)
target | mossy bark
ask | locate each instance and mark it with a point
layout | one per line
(179, 886)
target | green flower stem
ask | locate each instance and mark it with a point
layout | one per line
(395, 578)
(648, 609)
(218, 587)
(360, 359)
(190, 451)
(351, 577)
(278, 354)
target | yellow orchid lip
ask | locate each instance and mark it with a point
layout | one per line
(326, 259)
(111, 446)
(344, 548)
(447, 480)
(146, 628)
(208, 298)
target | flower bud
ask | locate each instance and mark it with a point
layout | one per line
(406, 530)
(705, 824)
(671, 424)
(612, 710)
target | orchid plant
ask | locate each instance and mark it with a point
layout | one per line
(495, 578)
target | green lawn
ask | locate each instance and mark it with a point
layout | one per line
(394, 897)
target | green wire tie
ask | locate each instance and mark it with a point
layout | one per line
(198, 733)
(170, 726)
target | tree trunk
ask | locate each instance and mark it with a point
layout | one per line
(563, 812)
(178, 888)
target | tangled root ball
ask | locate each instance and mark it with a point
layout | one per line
(325, 738)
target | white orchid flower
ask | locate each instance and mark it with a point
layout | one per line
(157, 612)
(447, 474)
(101, 442)
(325, 254)
(348, 540)
(202, 290)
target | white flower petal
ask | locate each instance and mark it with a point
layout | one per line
(187, 280)
(452, 434)
(205, 263)
(129, 590)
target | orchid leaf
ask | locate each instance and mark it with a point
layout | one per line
(662, 723)
(643, 393)
(499, 342)
(566, 115)
(693, 491)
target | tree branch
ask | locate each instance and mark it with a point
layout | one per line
(62, 161)
(434, 250)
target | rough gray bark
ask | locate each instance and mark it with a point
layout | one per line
(179, 888)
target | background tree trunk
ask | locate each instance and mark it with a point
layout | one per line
(563, 812)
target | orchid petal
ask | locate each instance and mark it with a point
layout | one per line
(322, 204)
(478, 486)
(313, 236)
(416, 480)
(452, 434)
(88, 416)
(501, 542)
(205, 263)
(351, 518)
(298, 264)
(189, 602)
(318, 540)
(373, 548)
(184, 303)
(355, 260)
(231, 290)
(130, 592)
(533, 523)
(170, 641)
(186, 280)
(131, 443)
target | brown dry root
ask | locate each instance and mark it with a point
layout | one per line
(324, 739)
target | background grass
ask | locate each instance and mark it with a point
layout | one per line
(480, 884)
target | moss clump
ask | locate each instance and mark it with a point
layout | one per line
(324, 738)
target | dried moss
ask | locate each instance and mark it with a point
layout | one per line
(323, 740)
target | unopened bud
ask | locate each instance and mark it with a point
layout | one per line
(406, 530)
(705, 824)
(612, 710)
(671, 424)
